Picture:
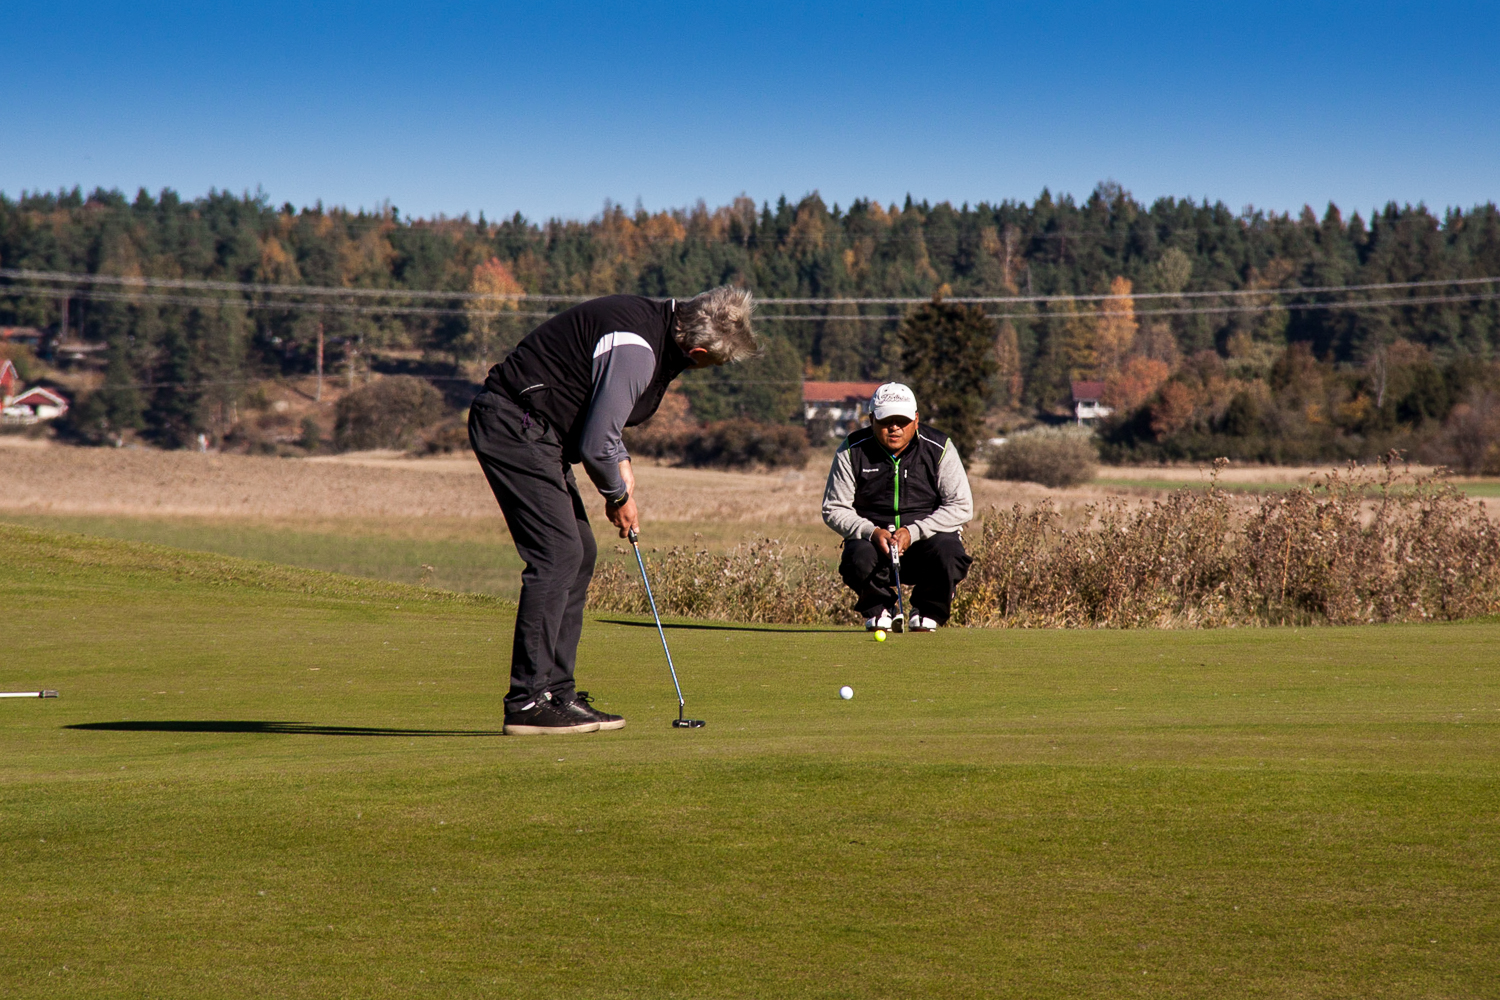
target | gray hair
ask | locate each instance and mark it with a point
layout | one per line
(718, 321)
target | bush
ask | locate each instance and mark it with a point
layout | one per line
(768, 581)
(444, 439)
(311, 437)
(1052, 456)
(1470, 439)
(739, 444)
(1351, 550)
(387, 413)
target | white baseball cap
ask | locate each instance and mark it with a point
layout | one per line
(893, 399)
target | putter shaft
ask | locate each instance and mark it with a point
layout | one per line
(896, 569)
(659, 630)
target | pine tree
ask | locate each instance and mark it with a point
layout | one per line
(173, 414)
(767, 389)
(948, 353)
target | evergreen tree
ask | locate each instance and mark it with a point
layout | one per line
(768, 388)
(948, 354)
(173, 414)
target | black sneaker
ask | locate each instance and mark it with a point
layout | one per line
(543, 717)
(582, 706)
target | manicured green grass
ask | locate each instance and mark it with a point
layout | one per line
(263, 781)
(480, 560)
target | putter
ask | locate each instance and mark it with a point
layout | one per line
(896, 568)
(679, 722)
(28, 694)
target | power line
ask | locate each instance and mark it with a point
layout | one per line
(62, 277)
(1194, 311)
(1018, 299)
(93, 295)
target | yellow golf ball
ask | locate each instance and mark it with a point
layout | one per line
(880, 635)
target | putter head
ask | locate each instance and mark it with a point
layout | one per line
(687, 723)
(48, 694)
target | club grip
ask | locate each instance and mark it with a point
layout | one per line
(633, 536)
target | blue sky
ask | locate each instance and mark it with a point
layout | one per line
(549, 109)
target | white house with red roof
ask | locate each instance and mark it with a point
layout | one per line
(844, 404)
(27, 406)
(1088, 401)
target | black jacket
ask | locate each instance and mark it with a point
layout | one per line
(551, 371)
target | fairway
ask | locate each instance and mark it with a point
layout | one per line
(272, 782)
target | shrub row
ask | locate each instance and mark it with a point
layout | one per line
(1353, 549)
(768, 581)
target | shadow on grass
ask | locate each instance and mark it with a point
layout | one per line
(276, 728)
(724, 628)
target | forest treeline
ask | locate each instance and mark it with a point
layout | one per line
(1267, 372)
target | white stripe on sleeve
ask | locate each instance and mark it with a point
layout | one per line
(619, 338)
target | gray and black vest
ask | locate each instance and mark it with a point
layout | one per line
(896, 489)
(550, 372)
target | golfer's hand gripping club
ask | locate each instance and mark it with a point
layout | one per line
(896, 571)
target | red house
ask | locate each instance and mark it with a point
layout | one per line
(9, 379)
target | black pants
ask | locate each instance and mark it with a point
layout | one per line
(522, 458)
(931, 567)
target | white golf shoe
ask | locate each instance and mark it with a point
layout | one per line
(880, 621)
(921, 623)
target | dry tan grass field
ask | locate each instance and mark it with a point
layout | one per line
(387, 486)
(389, 493)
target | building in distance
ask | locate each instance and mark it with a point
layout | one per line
(1086, 401)
(840, 407)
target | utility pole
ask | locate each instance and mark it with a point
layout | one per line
(320, 363)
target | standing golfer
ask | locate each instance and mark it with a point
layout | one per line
(563, 396)
(897, 483)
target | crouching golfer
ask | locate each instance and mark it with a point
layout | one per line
(563, 396)
(897, 483)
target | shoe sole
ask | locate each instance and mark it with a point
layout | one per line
(518, 730)
(616, 724)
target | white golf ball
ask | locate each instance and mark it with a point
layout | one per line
(846, 692)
